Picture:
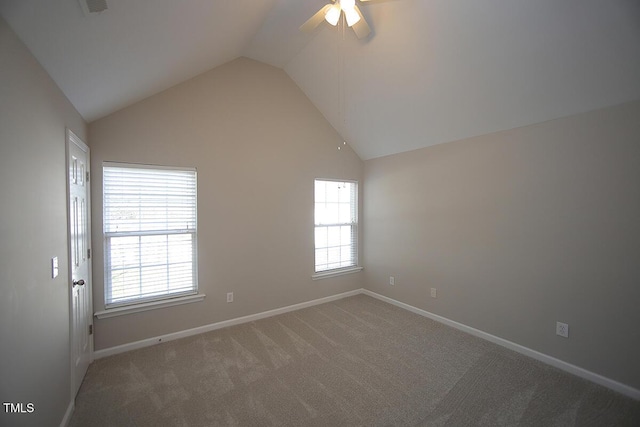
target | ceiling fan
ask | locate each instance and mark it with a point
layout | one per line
(333, 11)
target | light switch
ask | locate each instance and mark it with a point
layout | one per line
(54, 267)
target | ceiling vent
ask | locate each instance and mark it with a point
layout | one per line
(93, 6)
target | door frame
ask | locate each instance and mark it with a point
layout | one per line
(72, 138)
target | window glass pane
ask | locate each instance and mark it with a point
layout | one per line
(334, 255)
(333, 236)
(345, 255)
(125, 283)
(345, 235)
(322, 256)
(143, 199)
(333, 192)
(154, 279)
(345, 213)
(180, 248)
(180, 276)
(153, 250)
(321, 237)
(345, 192)
(320, 190)
(320, 214)
(333, 213)
(125, 252)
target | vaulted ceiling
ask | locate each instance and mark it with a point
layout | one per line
(431, 71)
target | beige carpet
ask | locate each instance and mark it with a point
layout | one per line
(353, 362)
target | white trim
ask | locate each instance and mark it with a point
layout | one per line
(146, 166)
(549, 360)
(67, 415)
(72, 138)
(218, 325)
(334, 273)
(355, 230)
(354, 181)
(137, 308)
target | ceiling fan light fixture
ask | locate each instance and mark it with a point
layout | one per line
(347, 4)
(333, 14)
(352, 16)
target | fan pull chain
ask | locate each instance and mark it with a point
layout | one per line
(341, 88)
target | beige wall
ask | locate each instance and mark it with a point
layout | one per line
(517, 230)
(257, 143)
(34, 308)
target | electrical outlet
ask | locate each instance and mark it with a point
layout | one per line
(562, 329)
(392, 280)
(229, 296)
(434, 293)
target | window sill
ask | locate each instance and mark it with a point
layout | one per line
(129, 309)
(334, 273)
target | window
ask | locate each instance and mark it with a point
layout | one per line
(149, 233)
(336, 225)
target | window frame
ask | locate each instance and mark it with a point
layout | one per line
(355, 230)
(155, 301)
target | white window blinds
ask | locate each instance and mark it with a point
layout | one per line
(149, 233)
(336, 225)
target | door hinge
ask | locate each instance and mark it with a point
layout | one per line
(87, 176)
(89, 253)
(90, 329)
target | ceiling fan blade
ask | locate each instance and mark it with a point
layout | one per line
(361, 27)
(315, 20)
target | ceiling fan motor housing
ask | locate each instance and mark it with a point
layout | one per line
(93, 6)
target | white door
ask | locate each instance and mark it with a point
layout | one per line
(79, 258)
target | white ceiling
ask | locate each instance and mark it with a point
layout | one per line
(432, 71)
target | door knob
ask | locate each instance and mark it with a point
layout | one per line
(78, 282)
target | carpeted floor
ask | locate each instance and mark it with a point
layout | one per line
(353, 362)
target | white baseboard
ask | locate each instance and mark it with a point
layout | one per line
(549, 360)
(219, 325)
(67, 415)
